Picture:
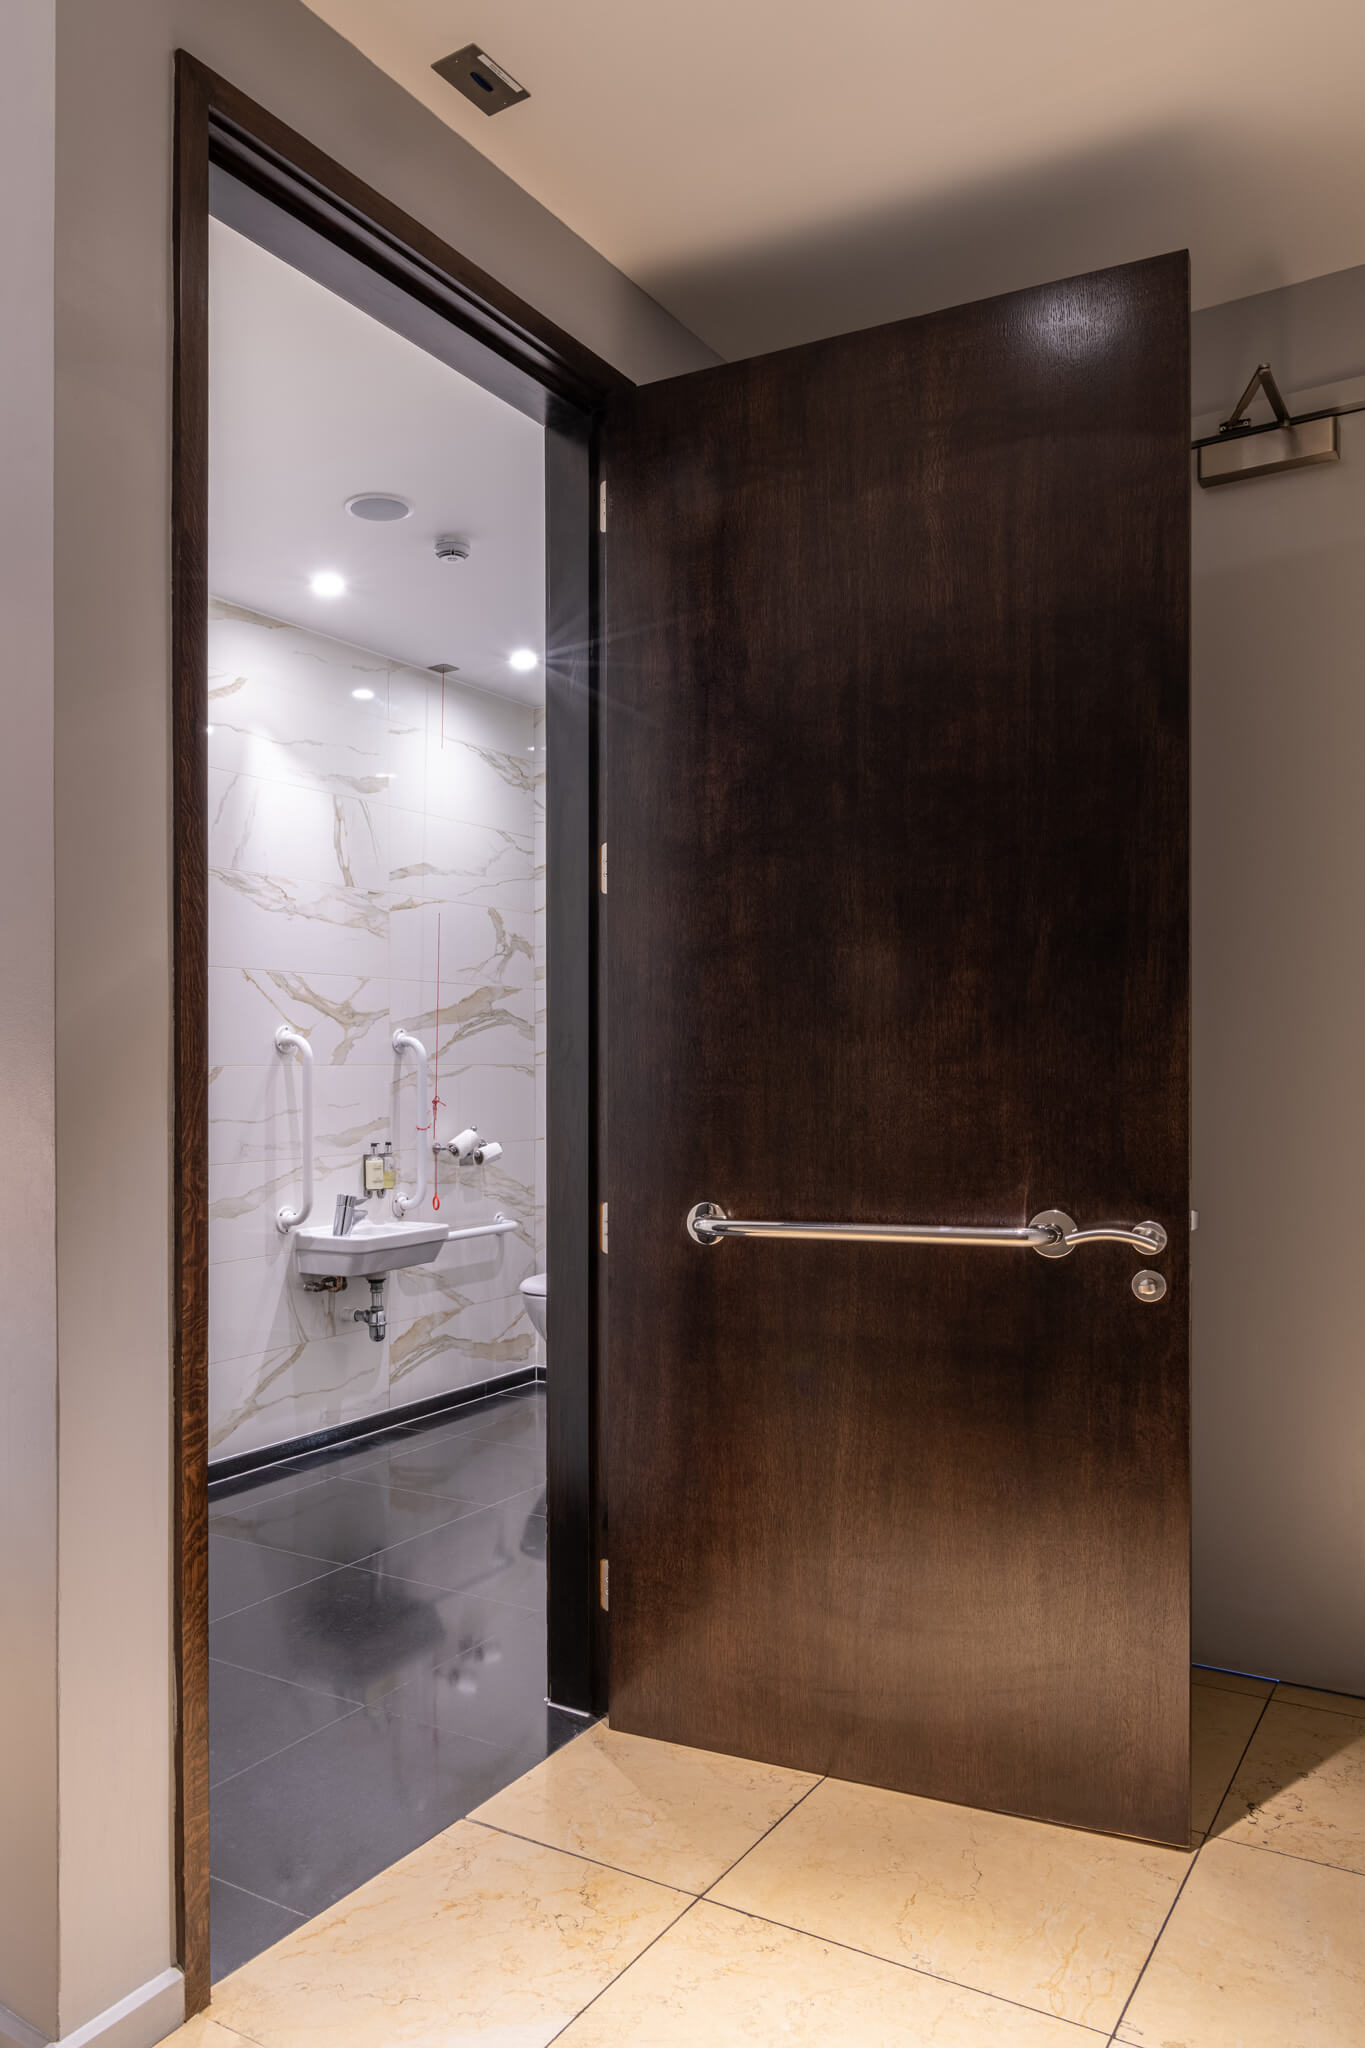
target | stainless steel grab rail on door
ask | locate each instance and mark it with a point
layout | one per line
(1052, 1233)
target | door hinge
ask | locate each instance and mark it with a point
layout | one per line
(602, 867)
(602, 1227)
(602, 506)
(603, 1586)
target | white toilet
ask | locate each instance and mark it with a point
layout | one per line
(533, 1298)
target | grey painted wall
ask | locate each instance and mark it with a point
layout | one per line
(28, 1355)
(100, 563)
(1279, 1010)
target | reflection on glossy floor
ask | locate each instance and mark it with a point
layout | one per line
(378, 1657)
(628, 1894)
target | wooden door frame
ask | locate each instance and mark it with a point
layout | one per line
(234, 158)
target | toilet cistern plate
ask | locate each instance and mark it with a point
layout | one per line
(370, 1247)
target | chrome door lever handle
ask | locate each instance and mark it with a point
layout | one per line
(1052, 1233)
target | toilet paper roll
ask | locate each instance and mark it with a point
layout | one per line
(487, 1150)
(463, 1143)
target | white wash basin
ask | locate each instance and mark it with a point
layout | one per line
(368, 1248)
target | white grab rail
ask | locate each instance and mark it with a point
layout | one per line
(403, 1041)
(493, 1229)
(287, 1041)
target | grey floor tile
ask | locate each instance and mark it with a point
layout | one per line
(340, 1519)
(354, 1634)
(467, 1467)
(252, 1715)
(309, 1825)
(241, 1925)
(498, 1552)
(242, 1573)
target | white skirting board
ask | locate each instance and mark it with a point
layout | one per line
(140, 2020)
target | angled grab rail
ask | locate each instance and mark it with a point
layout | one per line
(403, 1041)
(287, 1041)
(1051, 1234)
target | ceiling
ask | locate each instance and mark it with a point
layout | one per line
(772, 170)
(311, 402)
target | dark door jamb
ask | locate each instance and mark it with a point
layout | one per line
(233, 158)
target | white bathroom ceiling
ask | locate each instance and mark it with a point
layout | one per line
(772, 169)
(311, 402)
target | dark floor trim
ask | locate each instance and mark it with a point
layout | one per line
(372, 1425)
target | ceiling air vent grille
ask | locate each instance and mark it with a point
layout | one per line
(473, 72)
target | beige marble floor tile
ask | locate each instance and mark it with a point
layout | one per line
(1234, 1681)
(204, 2032)
(1047, 1916)
(1332, 1702)
(1260, 1952)
(1220, 1728)
(476, 1938)
(680, 1816)
(1301, 1788)
(725, 1979)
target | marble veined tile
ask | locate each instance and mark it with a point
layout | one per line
(473, 780)
(1220, 1728)
(718, 1976)
(271, 1396)
(307, 927)
(453, 860)
(473, 1939)
(1260, 1952)
(499, 1100)
(285, 740)
(259, 1304)
(493, 1024)
(679, 1815)
(1301, 1787)
(203, 2031)
(255, 1113)
(1046, 1916)
(1233, 1681)
(1330, 1702)
(466, 1270)
(344, 1017)
(274, 828)
(438, 1353)
(475, 945)
(450, 713)
(280, 707)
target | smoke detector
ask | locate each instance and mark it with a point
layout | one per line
(472, 72)
(451, 548)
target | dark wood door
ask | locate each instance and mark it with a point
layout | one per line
(897, 804)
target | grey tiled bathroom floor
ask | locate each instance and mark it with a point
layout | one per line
(377, 1644)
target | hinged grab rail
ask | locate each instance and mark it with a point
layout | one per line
(403, 1041)
(1052, 1233)
(287, 1041)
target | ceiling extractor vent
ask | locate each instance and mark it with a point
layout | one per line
(378, 506)
(473, 72)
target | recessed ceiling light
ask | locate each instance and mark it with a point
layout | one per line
(378, 506)
(522, 659)
(363, 695)
(327, 583)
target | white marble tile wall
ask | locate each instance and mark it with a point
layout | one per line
(340, 831)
